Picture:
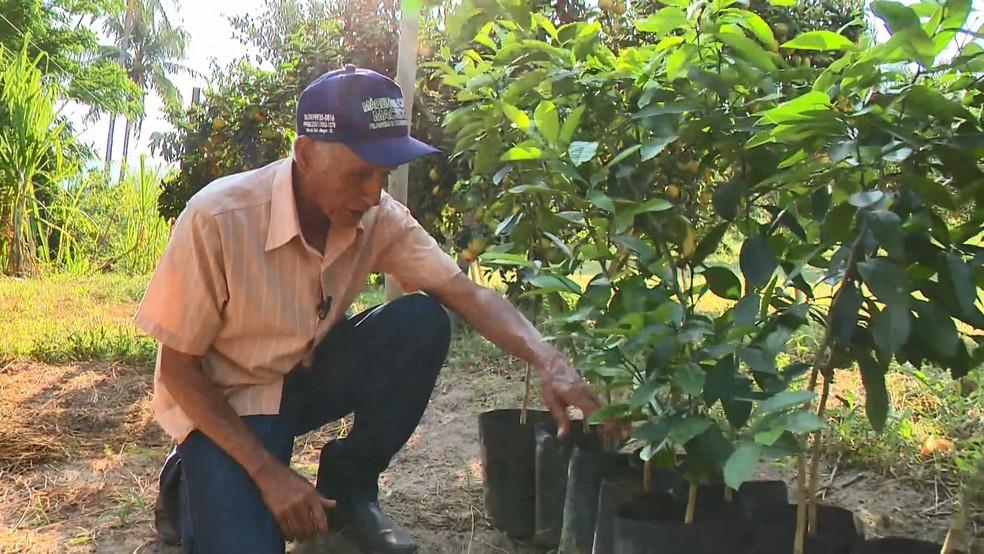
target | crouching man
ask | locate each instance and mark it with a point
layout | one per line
(249, 305)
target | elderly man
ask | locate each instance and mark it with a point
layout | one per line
(249, 306)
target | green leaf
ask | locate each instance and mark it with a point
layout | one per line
(723, 282)
(644, 394)
(887, 228)
(569, 127)
(517, 116)
(654, 205)
(930, 189)
(640, 247)
(601, 201)
(742, 464)
(956, 13)
(547, 25)
(844, 313)
(784, 400)
(746, 310)
(547, 121)
(822, 41)
(611, 411)
(866, 198)
(768, 438)
(555, 283)
(624, 154)
(911, 44)
(937, 328)
(653, 432)
(685, 430)
(876, 394)
(891, 328)
(897, 16)
(738, 410)
(748, 49)
(581, 152)
(505, 259)
(726, 198)
(520, 153)
(709, 244)
(689, 378)
(802, 422)
(758, 27)
(783, 3)
(886, 279)
(677, 62)
(961, 278)
(820, 203)
(757, 261)
(663, 21)
(652, 148)
(758, 360)
(719, 380)
(802, 108)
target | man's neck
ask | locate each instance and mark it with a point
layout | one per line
(313, 222)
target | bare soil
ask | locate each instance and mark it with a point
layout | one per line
(79, 456)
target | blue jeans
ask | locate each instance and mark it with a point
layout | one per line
(380, 365)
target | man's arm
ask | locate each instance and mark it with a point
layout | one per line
(497, 320)
(294, 502)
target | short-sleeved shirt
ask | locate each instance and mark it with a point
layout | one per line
(238, 285)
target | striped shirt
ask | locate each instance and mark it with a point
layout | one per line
(239, 286)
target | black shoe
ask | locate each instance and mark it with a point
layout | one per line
(167, 507)
(375, 532)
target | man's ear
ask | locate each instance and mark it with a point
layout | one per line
(304, 152)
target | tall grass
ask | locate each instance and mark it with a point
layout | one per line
(31, 146)
(111, 226)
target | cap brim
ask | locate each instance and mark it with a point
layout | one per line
(391, 151)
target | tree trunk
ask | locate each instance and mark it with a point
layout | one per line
(126, 148)
(109, 142)
(125, 43)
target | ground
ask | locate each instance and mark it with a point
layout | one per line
(81, 452)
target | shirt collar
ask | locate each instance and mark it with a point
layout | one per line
(284, 223)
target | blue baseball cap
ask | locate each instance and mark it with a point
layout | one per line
(364, 111)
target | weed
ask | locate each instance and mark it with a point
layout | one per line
(935, 426)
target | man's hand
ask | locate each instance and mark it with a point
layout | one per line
(296, 505)
(497, 320)
(562, 387)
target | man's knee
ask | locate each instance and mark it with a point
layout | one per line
(426, 321)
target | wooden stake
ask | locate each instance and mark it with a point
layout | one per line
(801, 504)
(691, 504)
(815, 456)
(647, 476)
(526, 398)
(406, 77)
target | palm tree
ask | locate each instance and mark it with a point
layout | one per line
(150, 47)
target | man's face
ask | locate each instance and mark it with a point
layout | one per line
(340, 183)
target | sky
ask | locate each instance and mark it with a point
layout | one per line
(207, 23)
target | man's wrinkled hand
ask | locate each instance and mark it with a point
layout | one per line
(562, 387)
(296, 505)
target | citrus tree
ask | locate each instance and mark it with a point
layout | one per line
(687, 204)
